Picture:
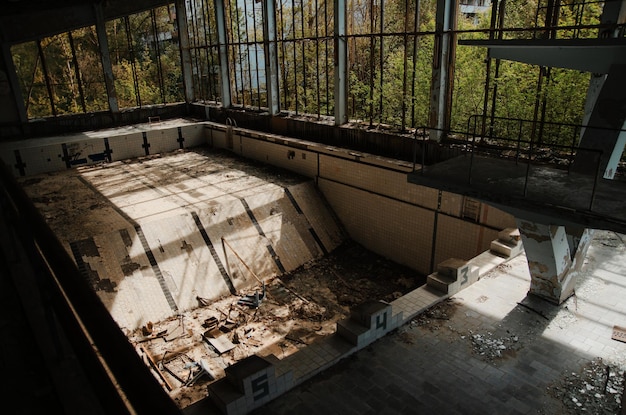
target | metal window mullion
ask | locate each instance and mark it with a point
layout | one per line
(256, 55)
(371, 80)
(271, 57)
(105, 59)
(304, 43)
(220, 20)
(247, 48)
(317, 59)
(131, 52)
(340, 62)
(157, 51)
(185, 53)
(416, 26)
(194, 45)
(79, 81)
(285, 85)
(208, 36)
(405, 62)
(381, 61)
(295, 57)
(326, 56)
(46, 75)
(14, 82)
(231, 43)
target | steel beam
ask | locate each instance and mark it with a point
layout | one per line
(587, 55)
(271, 56)
(105, 58)
(443, 68)
(222, 40)
(185, 54)
(14, 85)
(341, 62)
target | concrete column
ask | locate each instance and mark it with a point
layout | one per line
(220, 18)
(271, 56)
(443, 68)
(185, 54)
(105, 58)
(341, 62)
(555, 256)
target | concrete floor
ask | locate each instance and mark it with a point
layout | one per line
(434, 365)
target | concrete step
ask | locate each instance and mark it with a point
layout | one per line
(507, 250)
(510, 236)
(442, 283)
(451, 268)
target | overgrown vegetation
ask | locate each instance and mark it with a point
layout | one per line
(390, 58)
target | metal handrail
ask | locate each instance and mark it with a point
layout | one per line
(531, 148)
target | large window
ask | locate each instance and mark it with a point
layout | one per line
(146, 58)
(61, 74)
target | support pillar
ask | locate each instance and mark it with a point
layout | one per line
(220, 20)
(443, 68)
(555, 257)
(341, 62)
(271, 56)
(105, 58)
(185, 54)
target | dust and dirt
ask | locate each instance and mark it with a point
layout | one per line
(187, 352)
(596, 388)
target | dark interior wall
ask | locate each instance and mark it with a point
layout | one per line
(30, 22)
(8, 108)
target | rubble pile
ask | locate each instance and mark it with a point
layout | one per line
(596, 389)
(435, 317)
(489, 347)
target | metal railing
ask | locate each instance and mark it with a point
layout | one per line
(491, 140)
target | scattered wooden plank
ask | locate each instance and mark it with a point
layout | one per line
(619, 334)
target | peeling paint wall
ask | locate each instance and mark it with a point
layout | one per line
(555, 257)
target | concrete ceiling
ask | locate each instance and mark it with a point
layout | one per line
(27, 20)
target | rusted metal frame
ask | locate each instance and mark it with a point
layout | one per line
(256, 56)
(46, 75)
(17, 95)
(340, 61)
(195, 46)
(105, 59)
(208, 46)
(236, 48)
(295, 66)
(317, 60)
(222, 42)
(247, 49)
(416, 26)
(271, 57)
(371, 83)
(285, 86)
(79, 81)
(133, 64)
(381, 60)
(185, 50)
(303, 43)
(157, 51)
(499, 29)
(442, 80)
(326, 68)
(405, 40)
